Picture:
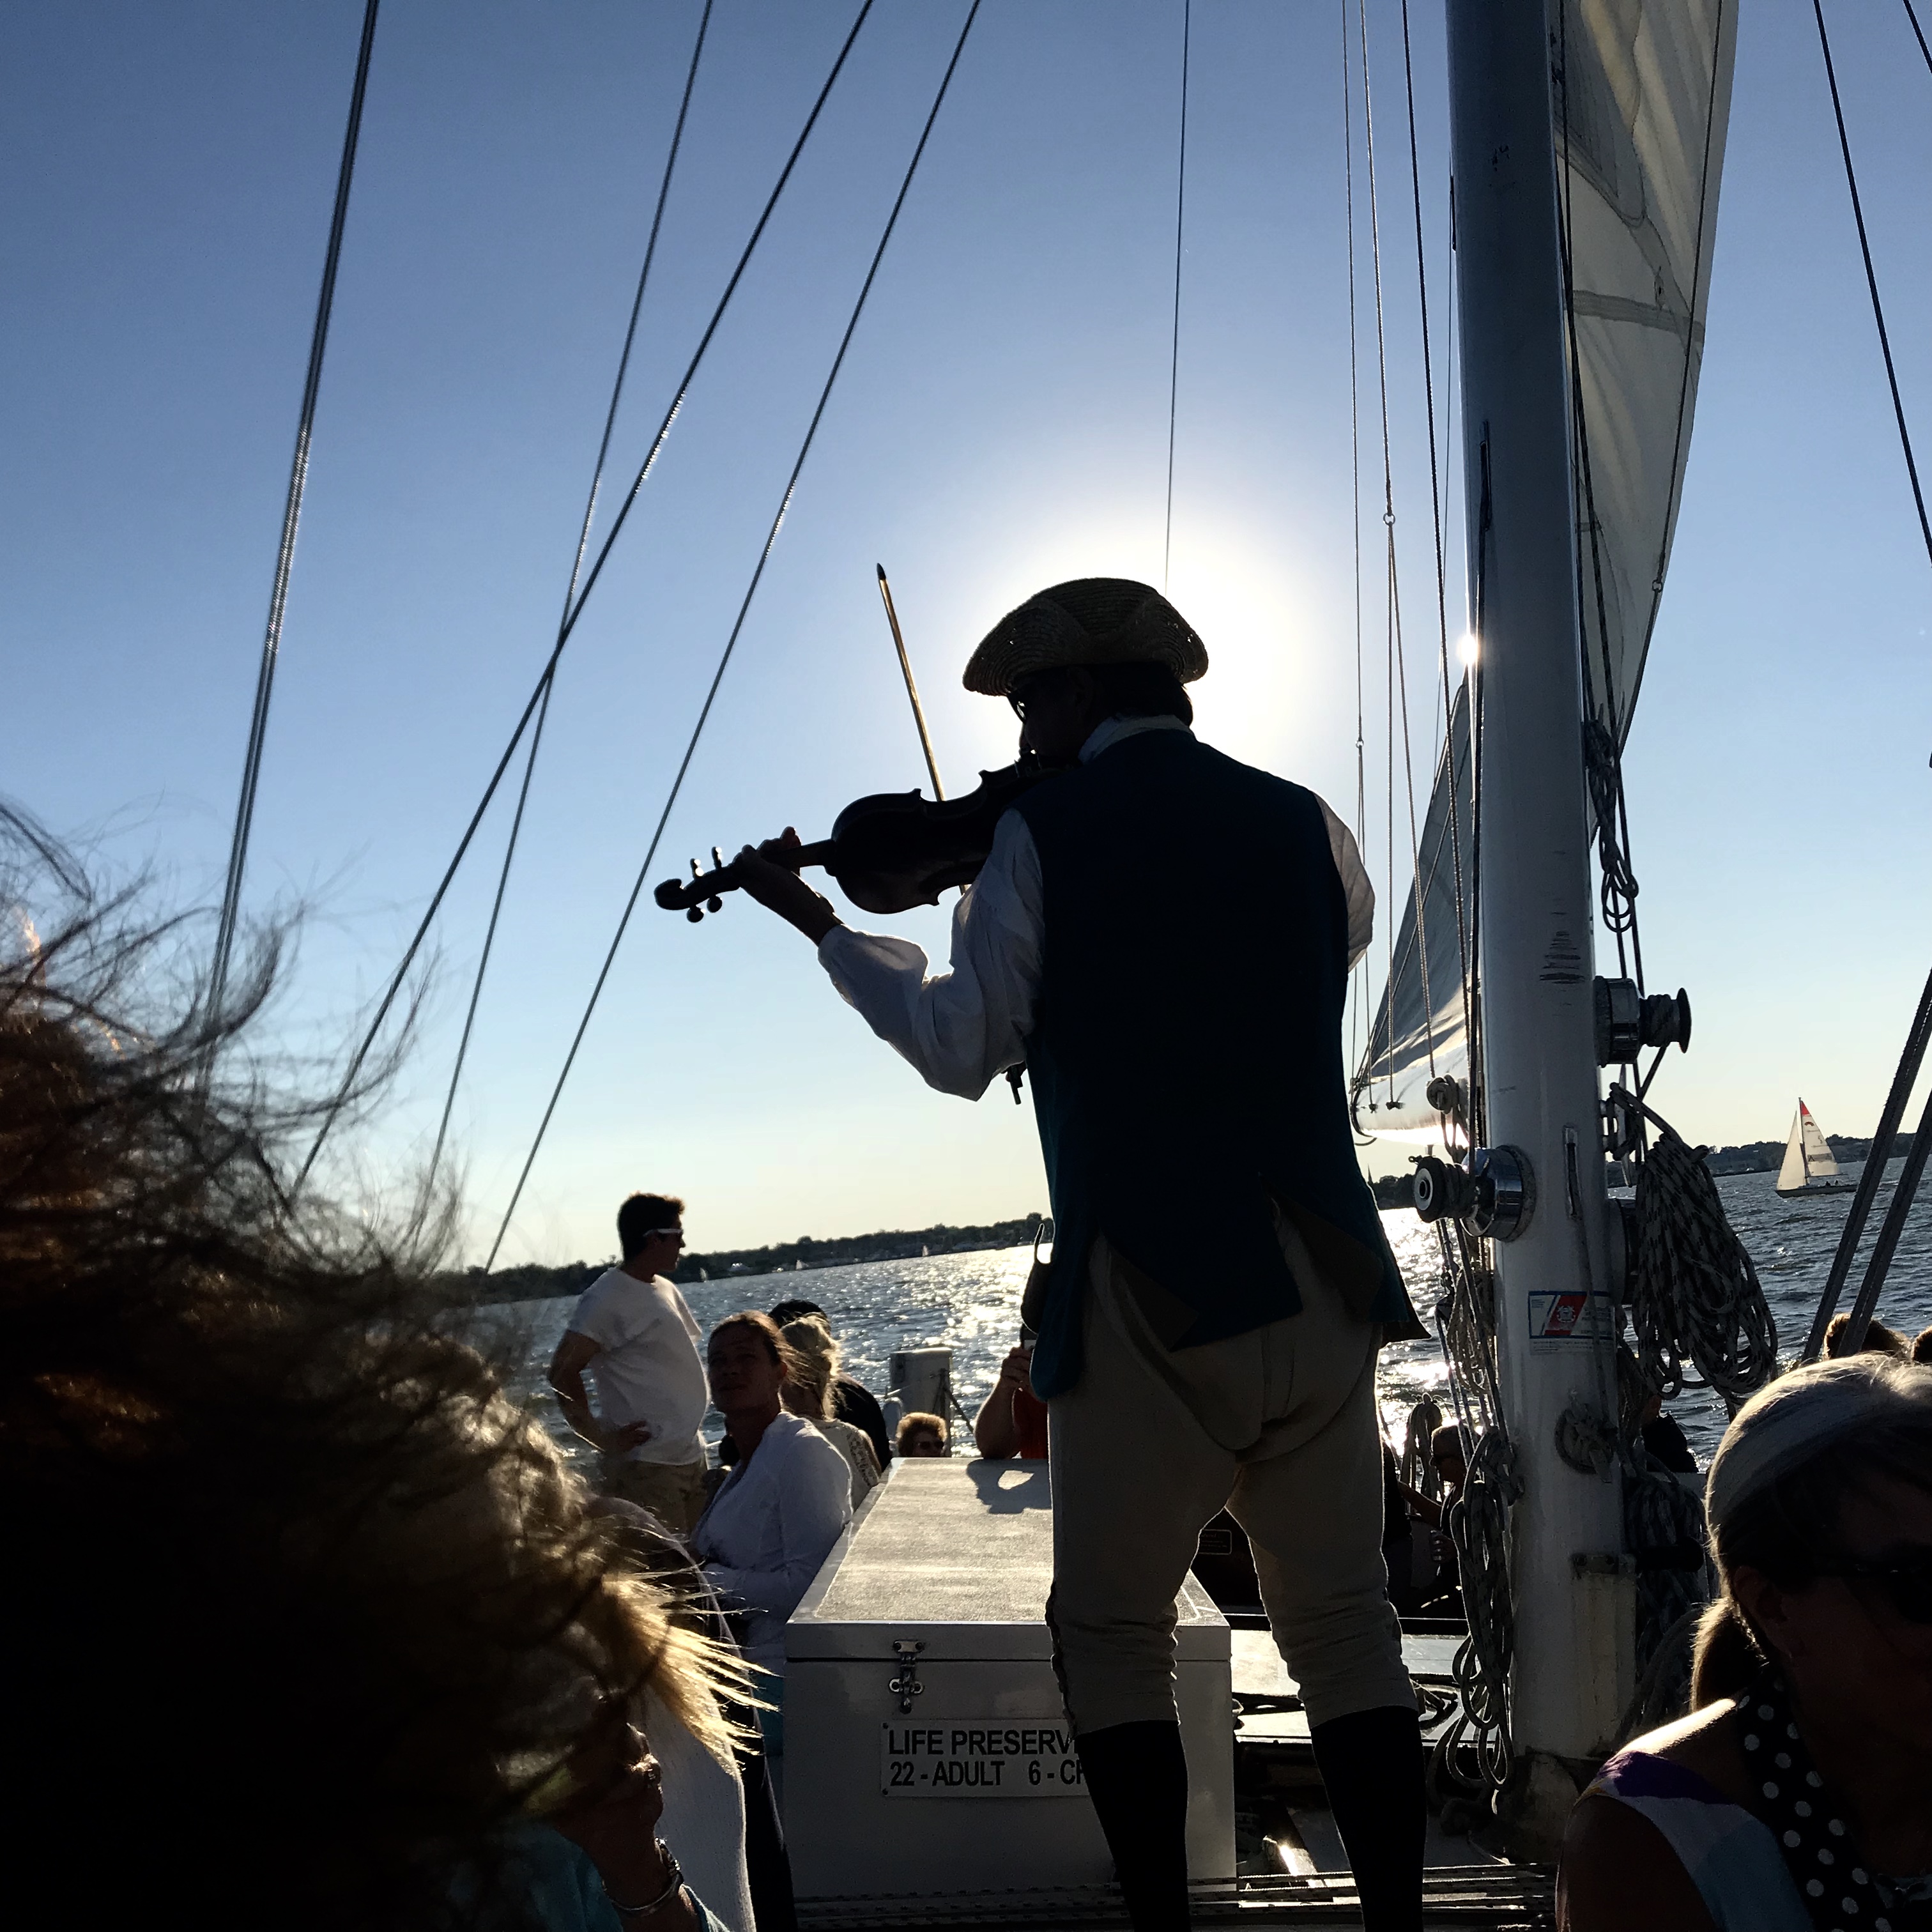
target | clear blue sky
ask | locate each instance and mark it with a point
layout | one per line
(1001, 423)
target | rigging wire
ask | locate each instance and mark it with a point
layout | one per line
(1916, 1039)
(1871, 274)
(570, 591)
(565, 630)
(1397, 667)
(1180, 214)
(285, 555)
(1859, 1324)
(1355, 521)
(731, 642)
(1435, 512)
(1919, 33)
(1603, 743)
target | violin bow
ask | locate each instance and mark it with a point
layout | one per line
(912, 688)
(1014, 1074)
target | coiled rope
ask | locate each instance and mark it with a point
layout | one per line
(1695, 1296)
(1474, 1751)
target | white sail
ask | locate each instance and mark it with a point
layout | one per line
(1640, 117)
(1792, 1176)
(1422, 1031)
(1817, 1149)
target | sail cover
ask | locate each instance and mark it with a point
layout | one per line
(1640, 103)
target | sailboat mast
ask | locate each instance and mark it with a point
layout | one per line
(1575, 1600)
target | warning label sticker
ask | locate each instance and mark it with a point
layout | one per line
(1570, 1317)
(980, 1759)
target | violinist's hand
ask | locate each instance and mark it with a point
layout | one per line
(763, 872)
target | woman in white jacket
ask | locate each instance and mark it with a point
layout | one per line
(774, 1521)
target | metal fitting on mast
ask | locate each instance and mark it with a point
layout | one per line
(1493, 1196)
(1626, 1021)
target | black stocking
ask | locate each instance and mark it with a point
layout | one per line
(1137, 1776)
(1371, 1761)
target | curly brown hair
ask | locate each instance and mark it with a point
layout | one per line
(312, 1605)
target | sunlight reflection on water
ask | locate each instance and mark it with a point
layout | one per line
(970, 1302)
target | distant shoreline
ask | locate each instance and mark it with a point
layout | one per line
(535, 1282)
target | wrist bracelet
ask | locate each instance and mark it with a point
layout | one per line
(674, 1884)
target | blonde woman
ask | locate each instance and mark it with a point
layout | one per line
(1798, 1794)
(323, 1632)
(777, 1515)
(808, 1393)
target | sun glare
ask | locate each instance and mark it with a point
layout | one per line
(1466, 649)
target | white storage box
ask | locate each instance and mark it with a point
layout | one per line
(941, 1583)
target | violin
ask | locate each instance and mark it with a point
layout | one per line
(888, 852)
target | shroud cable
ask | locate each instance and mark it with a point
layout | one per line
(731, 642)
(285, 556)
(570, 591)
(569, 624)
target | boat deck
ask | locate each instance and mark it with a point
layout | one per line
(1521, 1898)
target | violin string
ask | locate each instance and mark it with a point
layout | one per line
(570, 591)
(399, 977)
(731, 642)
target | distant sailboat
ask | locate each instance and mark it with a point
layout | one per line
(1808, 1166)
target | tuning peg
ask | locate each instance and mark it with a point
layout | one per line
(695, 914)
(717, 859)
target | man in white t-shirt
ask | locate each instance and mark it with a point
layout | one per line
(631, 1329)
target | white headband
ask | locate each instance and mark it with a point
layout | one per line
(1802, 1414)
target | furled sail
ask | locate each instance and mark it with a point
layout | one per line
(1641, 97)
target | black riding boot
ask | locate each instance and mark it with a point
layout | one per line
(1137, 1776)
(1371, 1761)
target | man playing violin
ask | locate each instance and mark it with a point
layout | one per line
(1163, 936)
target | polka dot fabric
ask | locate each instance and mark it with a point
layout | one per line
(1790, 1797)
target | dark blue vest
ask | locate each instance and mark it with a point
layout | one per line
(1187, 1051)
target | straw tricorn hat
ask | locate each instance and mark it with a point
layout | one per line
(1093, 620)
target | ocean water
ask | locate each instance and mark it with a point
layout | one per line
(970, 1302)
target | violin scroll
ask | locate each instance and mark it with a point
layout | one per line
(888, 852)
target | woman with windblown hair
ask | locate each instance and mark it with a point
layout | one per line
(312, 1626)
(808, 1392)
(1798, 1794)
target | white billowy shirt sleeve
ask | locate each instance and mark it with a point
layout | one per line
(958, 1028)
(1360, 894)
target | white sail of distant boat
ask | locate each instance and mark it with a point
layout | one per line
(1809, 1168)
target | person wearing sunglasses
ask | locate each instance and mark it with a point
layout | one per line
(632, 1331)
(1798, 1794)
(1163, 935)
